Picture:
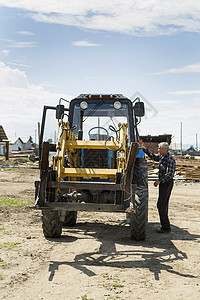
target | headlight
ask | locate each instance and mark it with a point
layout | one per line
(117, 105)
(83, 105)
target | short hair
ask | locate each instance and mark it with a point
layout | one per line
(164, 145)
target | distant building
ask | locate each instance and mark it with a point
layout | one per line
(20, 144)
(191, 151)
(151, 142)
(3, 141)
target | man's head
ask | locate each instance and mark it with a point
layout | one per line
(163, 148)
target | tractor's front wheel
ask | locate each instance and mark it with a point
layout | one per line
(52, 227)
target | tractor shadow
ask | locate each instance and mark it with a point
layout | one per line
(156, 253)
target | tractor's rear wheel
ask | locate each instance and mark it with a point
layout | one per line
(70, 218)
(52, 227)
(139, 219)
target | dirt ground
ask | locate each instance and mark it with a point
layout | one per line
(96, 259)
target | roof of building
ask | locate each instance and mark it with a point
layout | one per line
(3, 136)
(157, 139)
(24, 140)
(191, 149)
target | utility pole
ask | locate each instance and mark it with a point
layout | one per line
(197, 142)
(35, 138)
(181, 140)
(38, 133)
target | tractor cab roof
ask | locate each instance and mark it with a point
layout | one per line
(101, 97)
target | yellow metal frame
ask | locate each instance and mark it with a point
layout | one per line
(67, 144)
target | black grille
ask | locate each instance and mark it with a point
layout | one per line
(95, 158)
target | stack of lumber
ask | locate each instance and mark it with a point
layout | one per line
(187, 167)
(24, 154)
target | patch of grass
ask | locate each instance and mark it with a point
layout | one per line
(4, 266)
(15, 201)
(4, 231)
(1, 276)
(115, 284)
(113, 298)
(7, 231)
(84, 297)
(9, 245)
(112, 286)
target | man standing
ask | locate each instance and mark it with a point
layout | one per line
(165, 182)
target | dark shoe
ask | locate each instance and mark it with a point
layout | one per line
(160, 230)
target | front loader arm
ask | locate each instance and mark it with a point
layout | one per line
(65, 135)
(123, 151)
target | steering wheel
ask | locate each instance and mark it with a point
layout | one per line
(98, 127)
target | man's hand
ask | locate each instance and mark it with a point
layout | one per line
(156, 183)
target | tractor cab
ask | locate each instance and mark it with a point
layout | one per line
(97, 117)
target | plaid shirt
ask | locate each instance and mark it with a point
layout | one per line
(167, 165)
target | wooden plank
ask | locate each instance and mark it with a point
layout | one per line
(44, 163)
(131, 157)
(128, 172)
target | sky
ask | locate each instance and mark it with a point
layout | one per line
(53, 49)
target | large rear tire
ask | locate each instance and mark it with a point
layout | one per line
(139, 219)
(52, 227)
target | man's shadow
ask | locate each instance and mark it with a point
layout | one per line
(157, 254)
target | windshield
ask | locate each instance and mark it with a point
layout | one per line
(99, 116)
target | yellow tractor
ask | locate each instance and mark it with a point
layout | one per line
(96, 166)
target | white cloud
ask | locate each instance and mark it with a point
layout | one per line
(181, 93)
(12, 77)
(18, 44)
(25, 33)
(150, 17)
(5, 52)
(195, 68)
(22, 102)
(84, 44)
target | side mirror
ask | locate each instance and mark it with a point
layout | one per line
(60, 109)
(139, 109)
